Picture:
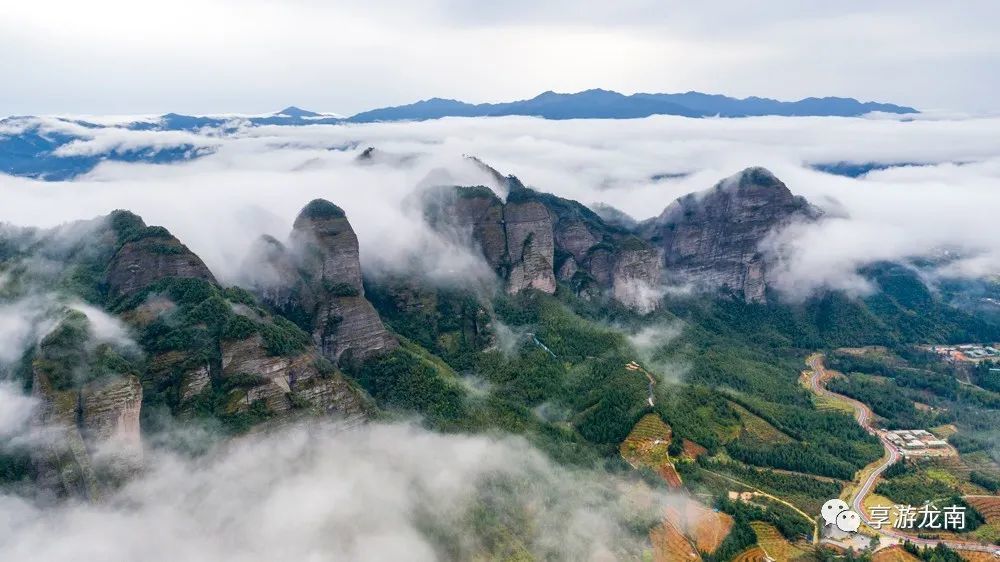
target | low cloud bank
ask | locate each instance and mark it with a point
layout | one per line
(23, 323)
(327, 493)
(652, 343)
(258, 178)
(16, 410)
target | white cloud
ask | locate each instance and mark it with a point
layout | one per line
(23, 323)
(260, 177)
(322, 493)
(15, 411)
(105, 328)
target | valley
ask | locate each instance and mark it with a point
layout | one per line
(547, 281)
(695, 403)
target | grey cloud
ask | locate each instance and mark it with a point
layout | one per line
(391, 52)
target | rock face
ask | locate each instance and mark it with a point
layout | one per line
(149, 256)
(109, 413)
(595, 257)
(713, 238)
(530, 246)
(515, 238)
(316, 282)
(285, 382)
(72, 426)
(194, 382)
(534, 239)
(635, 278)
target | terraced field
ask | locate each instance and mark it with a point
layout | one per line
(693, 450)
(775, 545)
(706, 527)
(956, 470)
(752, 554)
(684, 526)
(757, 428)
(894, 554)
(670, 545)
(989, 506)
(648, 441)
(944, 431)
(647, 445)
(976, 556)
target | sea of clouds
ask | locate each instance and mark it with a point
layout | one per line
(257, 178)
(369, 493)
(323, 492)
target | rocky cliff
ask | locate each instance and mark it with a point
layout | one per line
(61, 459)
(287, 382)
(216, 351)
(530, 246)
(147, 254)
(594, 257)
(194, 349)
(88, 415)
(316, 281)
(713, 238)
(534, 239)
(109, 414)
(515, 238)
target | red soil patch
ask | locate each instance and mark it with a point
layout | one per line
(989, 506)
(752, 554)
(669, 545)
(894, 554)
(693, 450)
(703, 525)
(670, 476)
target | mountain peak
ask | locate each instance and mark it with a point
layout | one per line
(319, 209)
(714, 237)
(292, 111)
(754, 176)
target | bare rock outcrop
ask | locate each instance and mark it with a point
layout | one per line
(635, 278)
(287, 382)
(596, 258)
(714, 237)
(60, 457)
(109, 414)
(148, 254)
(515, 237)
(535, 239)
(316, 282)
(76, 430)
(530, 247)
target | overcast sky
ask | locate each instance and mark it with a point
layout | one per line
(202, 56)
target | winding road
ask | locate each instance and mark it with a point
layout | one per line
(863, 414)
(633, 366)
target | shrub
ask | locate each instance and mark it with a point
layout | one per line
(341, 289)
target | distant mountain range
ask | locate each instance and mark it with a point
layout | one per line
(605, 104)
(39, 147)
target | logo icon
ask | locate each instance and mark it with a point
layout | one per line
(848, 521)
(831, 509)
